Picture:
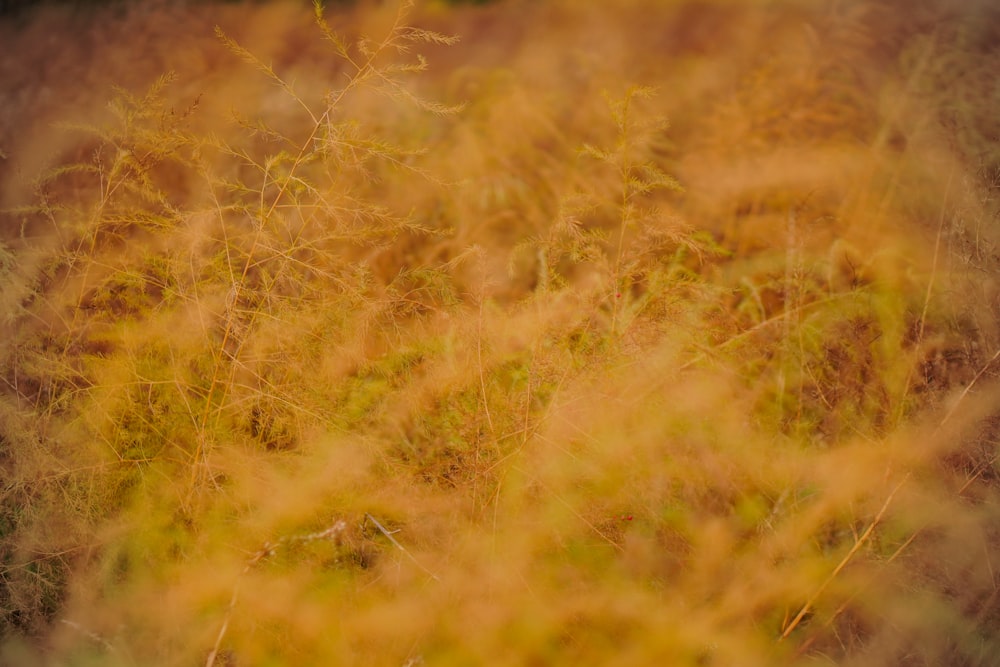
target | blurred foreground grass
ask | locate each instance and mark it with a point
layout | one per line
(653, 333)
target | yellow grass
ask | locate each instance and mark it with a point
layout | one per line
(552, 332)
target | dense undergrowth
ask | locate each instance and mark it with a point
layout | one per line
(357, 361)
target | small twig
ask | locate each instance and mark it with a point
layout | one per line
(389, 534)
(479, 357)
(90, 634)
(859, 542)
(210, 661)
(895, 554)
(579, 516)
(266, 551)
(934, 263)
(968, 388)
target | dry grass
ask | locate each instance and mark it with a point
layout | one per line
(653, 333)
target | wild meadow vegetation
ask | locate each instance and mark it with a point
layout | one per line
(529, 333)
